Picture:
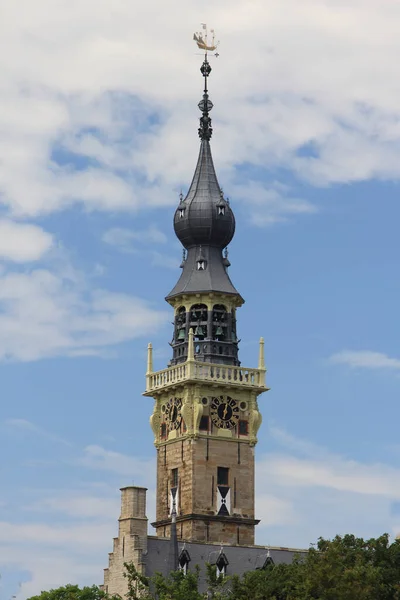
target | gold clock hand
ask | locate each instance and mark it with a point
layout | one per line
(225, 411)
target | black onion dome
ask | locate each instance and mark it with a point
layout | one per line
(204, 217)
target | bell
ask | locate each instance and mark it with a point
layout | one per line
(199, 331)
(181, 334)
(219, 331)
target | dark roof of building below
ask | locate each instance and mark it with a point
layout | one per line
(240, 558)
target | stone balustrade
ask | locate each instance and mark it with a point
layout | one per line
(206, 372)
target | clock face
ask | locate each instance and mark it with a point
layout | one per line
(224, 412)
(173, 412)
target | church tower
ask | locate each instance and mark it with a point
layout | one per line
(206, 416)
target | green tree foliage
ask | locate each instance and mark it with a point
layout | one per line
(72, 592)
(138, 585)
(177, 586)
(345, 568)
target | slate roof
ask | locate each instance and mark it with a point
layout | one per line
(204, 217)
(214, 278)
(240, 558)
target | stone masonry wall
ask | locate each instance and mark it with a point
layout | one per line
(197, 464)
(131, 542)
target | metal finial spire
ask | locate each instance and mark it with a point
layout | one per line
(205, 105)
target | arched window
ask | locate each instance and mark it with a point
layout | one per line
(220, 322)
(180, 324)
(198, 321)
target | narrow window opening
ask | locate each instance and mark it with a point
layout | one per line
(201, 265)
(174, 478)
(204, 423)
(223, 476)
(243, 427)
(181, 213)
(221, 210)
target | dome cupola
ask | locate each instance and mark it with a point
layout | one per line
(204, 217)
(204, 222)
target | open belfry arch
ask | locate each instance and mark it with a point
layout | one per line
(205, 415)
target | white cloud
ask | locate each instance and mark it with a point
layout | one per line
(322, 494)
(20, 242)
(97, 457)
(50, 568)
(322, 77)
(26, 426)
(70, 530)
(336, 473)
(43, 314)
(364, 359)
(88, 534)
(124, 239)
(140, 242)
(163, 260)
(313, 465)
(274, 510)
(87, 507)
(272, 203)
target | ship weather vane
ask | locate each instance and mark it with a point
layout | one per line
(201, 39)
(205, 105)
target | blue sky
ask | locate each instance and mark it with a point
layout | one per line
(98, 134)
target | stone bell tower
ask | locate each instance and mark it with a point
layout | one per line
(206, 417)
